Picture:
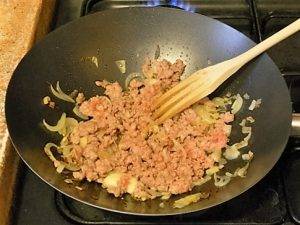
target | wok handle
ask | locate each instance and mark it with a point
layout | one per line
(295, 132)
(269, 42)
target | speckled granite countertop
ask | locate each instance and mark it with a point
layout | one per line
(22, 22)
(18, 20)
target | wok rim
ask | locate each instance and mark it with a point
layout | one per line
(72, 23)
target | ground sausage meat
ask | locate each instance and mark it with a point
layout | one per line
(122, 148)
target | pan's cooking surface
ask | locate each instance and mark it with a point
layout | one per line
(111, 37)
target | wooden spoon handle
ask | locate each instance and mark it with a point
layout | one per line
(269, 42)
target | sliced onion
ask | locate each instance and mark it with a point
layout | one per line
(228, 174)
(237, 105)
(202, 181)
(227, 100)
(46, 100)
(246, 130)
(252, 105)
(47, 149)
(219, 101)
(60, 165)
(216, 155)
(95, 61)
(255, 104)
(228, 94)
(247, 138)
(250, 119)
(231, 152)
(132, 76)
(60, 94)
(182, 202)
(165, 196)
(206, 113)
(243, 123)
(121, 64)
(67, 97)
(258, 103)
(212, 170)
(71, 123)
(246, 96)
(60, 168)
(161, 205)
(248, 156)
(72, 167)
(65, 150)
(112, 180)
(241, 144)
(79, 188)
(68, 181)
(132, 185)
(77, 112)
(64, 141)
(221, 181)
(222, 161)
(241, 172)
(59, 126)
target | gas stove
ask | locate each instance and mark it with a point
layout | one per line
(274, 200)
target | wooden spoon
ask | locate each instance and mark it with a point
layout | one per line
(205, 81)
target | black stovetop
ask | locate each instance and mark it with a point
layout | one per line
(274, 200)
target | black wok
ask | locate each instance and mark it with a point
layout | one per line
(133, 34)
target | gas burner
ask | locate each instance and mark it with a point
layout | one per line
(170, 6)
(177, 4)
(240, 18)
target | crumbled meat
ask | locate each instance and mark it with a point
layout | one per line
(122, 137)
(167, 73)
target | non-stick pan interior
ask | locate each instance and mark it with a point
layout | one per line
(134, 34)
